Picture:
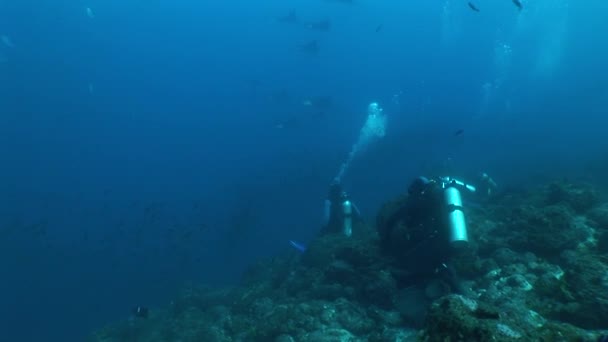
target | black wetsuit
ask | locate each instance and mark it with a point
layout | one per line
(415, 233)
(337, 197)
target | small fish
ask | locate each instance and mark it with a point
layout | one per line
(379, 28)
(289, 18)
(323, 25)
(90, 13)
(287, 122)
(7, 41)
(518, 4)
(319, 102)
(140, 312)
(280, 96)
(459, 132)
(311, 47)
(300, 247)
(473, 7)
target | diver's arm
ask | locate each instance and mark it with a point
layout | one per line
(356, 210)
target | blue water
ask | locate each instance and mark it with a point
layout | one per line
(140, 149)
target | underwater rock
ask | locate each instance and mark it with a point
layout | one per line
(455, 318)
(578, 197)
(455, 315)
(599, 214)
(546, 231)
(412, 304)
(201, 298)
(330, 335)
(535, 272)
(272, 272)
(602, 242)
(360, 252)
(505, 256)
(284, 338)
(583, 300)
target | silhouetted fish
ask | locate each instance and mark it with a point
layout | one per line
(379, 27)
(323, 25)
(473, 7)
(518, 4)
(7, 41)
(319, 102)
(311, 47)
(290, 18)
(280, 96)
(287, 122)
(300, 247)
(459, 132)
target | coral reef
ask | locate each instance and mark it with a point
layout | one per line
(536, 270)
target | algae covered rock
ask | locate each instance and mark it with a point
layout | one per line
(583, 299)
(536, 271)
(456, 318)
(600, 215)
(546, 230)
(579, 197)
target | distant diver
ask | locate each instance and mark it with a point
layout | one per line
(140, 312)
(311, 47)
(518, 4)
(289, 18)
(323, 25)
(475, 8)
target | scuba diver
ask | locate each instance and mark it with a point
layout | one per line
(339, 212)
(425, 229)
(339, 215)
(487, 186)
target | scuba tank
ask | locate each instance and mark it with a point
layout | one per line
(347, 209)
(455, 216)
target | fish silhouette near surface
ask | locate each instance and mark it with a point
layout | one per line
(323, 25)
(518, 4)
(311, 47)
(289, 18)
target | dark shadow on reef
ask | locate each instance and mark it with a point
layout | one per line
(535, 269)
